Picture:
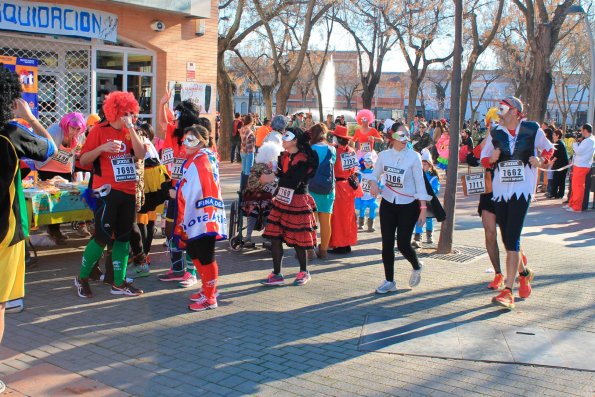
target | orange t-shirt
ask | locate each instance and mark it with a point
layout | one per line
(117, 169)
(364, 137)
(261, 133)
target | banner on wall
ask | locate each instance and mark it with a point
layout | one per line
(26, 68)
(58, 19)
(200, 94)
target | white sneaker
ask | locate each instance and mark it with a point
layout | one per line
(188, 282)
(565, 206)
(569, 209)
(386, 287)
(415, 278)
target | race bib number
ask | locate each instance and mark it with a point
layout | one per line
(269, 188)
(512, 171)
(124, 170)
(168, 156)
(474, 184)
(284, 195)
(365, 147)
(395, 177)
(63, 157)
(349, 161)
(177, 169)
(365, 184)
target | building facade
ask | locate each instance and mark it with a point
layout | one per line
(88, 48)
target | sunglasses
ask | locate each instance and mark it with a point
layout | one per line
(191, 142)
(399, 136)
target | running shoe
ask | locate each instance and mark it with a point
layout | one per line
(415, 278)
(498, 281)
(565, 206)
(189, 281)
(386, 287)
(200, 296)
(15, 306)
(126, 289)
(302, 278)
(570, 209)
(83, 289)
(525, 284)
(504, 299)
(173, 276)
(83, 231)
(273, 279)
(202, 305)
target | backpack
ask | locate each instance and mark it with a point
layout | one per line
(324, 179)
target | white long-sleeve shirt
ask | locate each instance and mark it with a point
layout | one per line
(583, 152)
(403, 173)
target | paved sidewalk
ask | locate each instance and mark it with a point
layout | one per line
(298, 340)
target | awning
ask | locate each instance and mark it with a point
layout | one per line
(190, 8)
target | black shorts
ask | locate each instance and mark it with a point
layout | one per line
(510, 216)
(486, 203)
(152, 201)
(114, 216)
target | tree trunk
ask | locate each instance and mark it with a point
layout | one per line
(282, 97)
(267, 97)
(225, 89)
(367, 96)
(250, 99)
(450, 194)
(413, 90)
(540, 83)
(466, 85)
(319, 99)
(348, 100)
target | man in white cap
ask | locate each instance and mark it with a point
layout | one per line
(514, 149)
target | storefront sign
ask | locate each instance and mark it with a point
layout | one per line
(198, 93)
(26, 68)
(57, 19)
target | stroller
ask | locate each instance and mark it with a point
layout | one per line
(255, 206)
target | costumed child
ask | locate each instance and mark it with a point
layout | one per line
(442, 147)
(431, 174)
(367, 201)
(200, 213)
(257, 197)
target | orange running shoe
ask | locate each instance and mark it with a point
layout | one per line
(525, 284)
(498, 281)
(504, 299)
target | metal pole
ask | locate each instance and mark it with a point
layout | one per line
(590, 115)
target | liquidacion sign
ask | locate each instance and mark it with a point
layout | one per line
(45, 18)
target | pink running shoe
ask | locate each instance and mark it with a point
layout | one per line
(173, 276)
(273, 279)
(302, 278)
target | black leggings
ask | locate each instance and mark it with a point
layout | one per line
(202, 249)
(277, 253)
(402, 219)
(136, 239)
(114, 217)
(510, 216)
(147, 233)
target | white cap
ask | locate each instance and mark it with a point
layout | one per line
(426, 156)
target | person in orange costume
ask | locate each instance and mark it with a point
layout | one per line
(343, 220)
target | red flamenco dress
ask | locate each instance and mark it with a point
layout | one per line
(292, 218)
(343, 219)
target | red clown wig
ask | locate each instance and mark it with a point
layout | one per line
(365, 114)
(118, 104)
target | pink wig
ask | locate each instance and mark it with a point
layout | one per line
(76, 120)
(365, 114)
(118, 104)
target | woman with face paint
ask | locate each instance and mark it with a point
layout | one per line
(200, 215)
(292, 220)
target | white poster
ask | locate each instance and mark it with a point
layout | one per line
(199, 93)
(58, 19)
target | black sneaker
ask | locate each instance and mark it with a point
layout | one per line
(82, 287)
(126, 289)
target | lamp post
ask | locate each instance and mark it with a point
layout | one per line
(576, 9)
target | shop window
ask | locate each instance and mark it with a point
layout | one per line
(110, 60)
(141, 87)
(140, 63)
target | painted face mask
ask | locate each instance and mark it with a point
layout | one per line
(503, 109)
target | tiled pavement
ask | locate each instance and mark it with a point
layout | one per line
(297, 340)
